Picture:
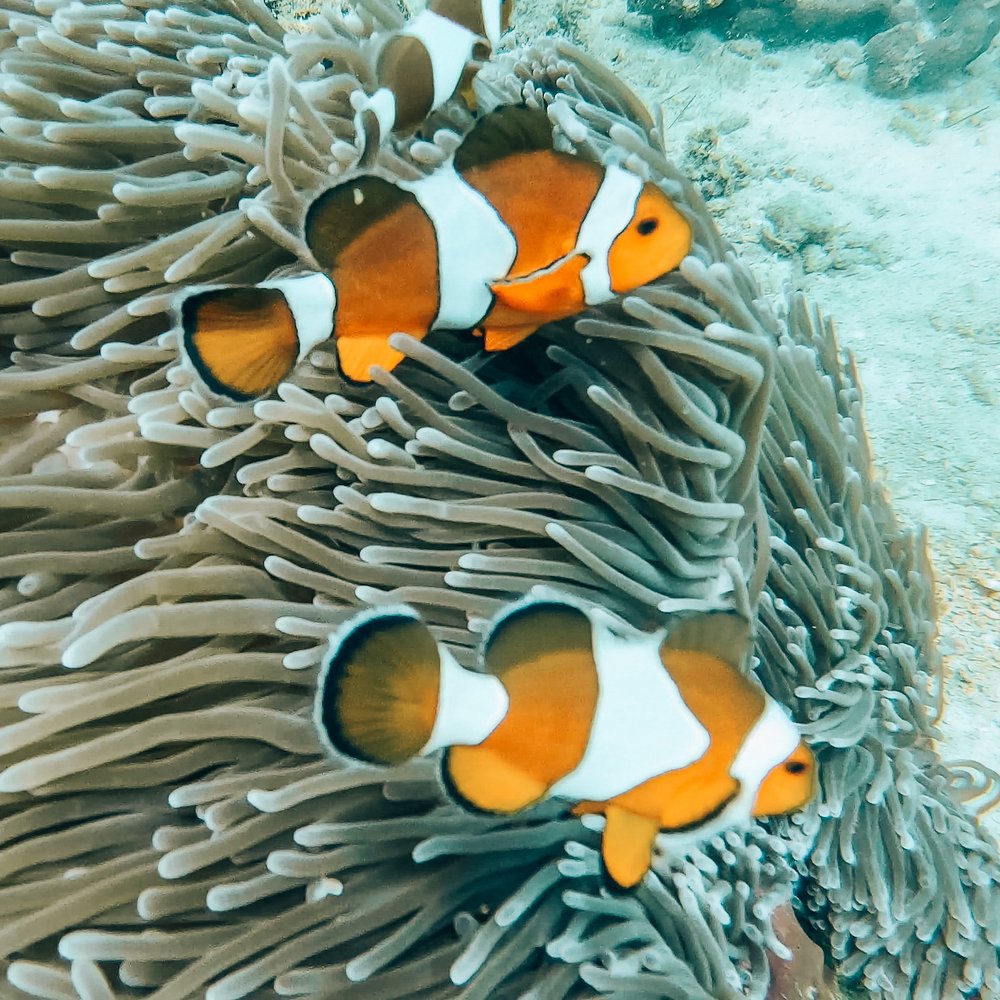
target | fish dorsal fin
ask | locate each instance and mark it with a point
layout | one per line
(487, 18)
(340, 213)
(512, 128)
(533, 630)
(723, 634)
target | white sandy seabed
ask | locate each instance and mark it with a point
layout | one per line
(886, 212)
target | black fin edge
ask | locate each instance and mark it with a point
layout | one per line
(327, 721)
(386, 197)
(188, 317)
(455, 795)
(528, 607)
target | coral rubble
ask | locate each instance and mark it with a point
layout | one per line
(171, 568)
(908, 43)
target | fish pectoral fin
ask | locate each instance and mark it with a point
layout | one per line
(358, 354)
(627, 848)
(242, 341)
(556, 290)
(481, 779)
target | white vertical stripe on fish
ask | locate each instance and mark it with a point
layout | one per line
(449, 46)
(772, 739)
(491, 14)
(641, 725)
(610, 212)
(470, 706)
(475, 246)
(312, 300)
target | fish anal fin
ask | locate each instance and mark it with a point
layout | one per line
(241, 341)
(627, 847)
(358, 353)
(483, 780)
(554, 291)
(466, 83)
(503, 338)
(468, 94)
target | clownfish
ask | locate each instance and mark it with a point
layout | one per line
(509, 235)
(430, 60)
(659, 733)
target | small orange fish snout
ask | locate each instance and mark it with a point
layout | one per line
(788, 786)
(655, 241)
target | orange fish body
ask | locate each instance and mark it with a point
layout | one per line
(659, 733)
(509, 236)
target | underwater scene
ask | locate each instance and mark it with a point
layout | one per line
(499, 499)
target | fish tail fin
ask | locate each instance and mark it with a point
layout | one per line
(377, 697)
(243, 341)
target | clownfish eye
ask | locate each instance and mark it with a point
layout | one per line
(796, 767)
(647, 226)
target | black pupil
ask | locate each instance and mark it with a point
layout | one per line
(647, 226)
(795, 767)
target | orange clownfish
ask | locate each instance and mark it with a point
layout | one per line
(424, 64)
(509, 235)
(660, 733)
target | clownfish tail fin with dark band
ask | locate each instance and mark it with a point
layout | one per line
(388, 692)
(242, 341)
(380, 689)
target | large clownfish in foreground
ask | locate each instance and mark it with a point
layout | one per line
(429, 61)
(508, 236)
(658, 732)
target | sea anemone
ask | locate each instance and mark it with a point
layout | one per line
(172, 567)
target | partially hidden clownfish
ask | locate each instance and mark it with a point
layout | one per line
(427, 62)
(660, 733)
(509, 235)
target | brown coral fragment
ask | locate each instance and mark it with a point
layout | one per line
(802, 975)
(906, 44)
